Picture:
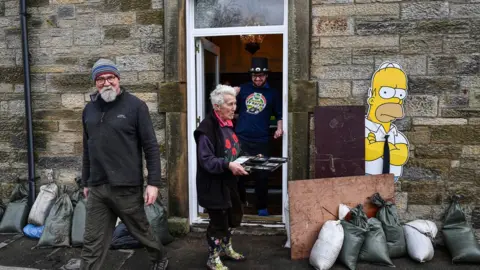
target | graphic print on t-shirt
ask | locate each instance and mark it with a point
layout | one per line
(255, 103)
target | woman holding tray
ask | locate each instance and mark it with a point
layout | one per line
(217, 176)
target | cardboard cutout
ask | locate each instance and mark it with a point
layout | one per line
(385, 100)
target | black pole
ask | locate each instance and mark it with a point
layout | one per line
(28, 103)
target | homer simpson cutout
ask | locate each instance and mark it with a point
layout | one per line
(385, 99)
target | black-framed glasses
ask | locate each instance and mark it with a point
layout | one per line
(101, 80)
(261, 75)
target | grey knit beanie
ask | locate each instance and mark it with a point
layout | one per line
(103, 66)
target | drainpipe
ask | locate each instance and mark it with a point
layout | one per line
(28, 103)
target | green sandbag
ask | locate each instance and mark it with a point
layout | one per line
(78, 222)
(2, 210)
(459, 236)
(157, 217)
(355, 231)
(15, 217)
(19, 193)
(374, 249)
(58, 224)
(387, 215)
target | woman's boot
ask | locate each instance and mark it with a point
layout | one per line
(214, 249)
(227, 249)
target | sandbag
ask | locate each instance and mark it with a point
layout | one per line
(16, 213)
(326, 249)
(354, 235)
(15, 217)
(387, 215)
(420, 235)
(2, 210)
(343, 211)
(43, 203)
(58, 224)
(78, 222)
(374, 249)
(157, 217)
(122, 239)
(76, 196)
(19, 193)
(33, 231)
(459, 236)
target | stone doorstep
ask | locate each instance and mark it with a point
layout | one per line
(245, 230)
(180, 227)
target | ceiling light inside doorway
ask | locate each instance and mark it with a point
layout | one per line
(252, 42)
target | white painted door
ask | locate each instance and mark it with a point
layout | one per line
(207, 58)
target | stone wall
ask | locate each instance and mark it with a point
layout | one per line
(66, 38)
(437, 44)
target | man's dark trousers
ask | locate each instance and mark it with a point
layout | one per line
(261, 177)
(104, 205)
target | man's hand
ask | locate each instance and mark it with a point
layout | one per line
(371, 138)
(278, 133)
(237, 169)
(85, 192)
(151, 193)
(237, 89)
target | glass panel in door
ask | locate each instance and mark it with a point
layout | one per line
(207, 75)
(238, 13)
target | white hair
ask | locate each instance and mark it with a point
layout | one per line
(217, 95)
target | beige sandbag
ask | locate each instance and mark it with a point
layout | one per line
(44, 202)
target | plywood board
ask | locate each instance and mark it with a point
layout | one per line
(308, 198)
(339, 141)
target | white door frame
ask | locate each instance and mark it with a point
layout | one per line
(192, 33)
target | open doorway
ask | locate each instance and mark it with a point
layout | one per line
(215, 54)
(226, 61)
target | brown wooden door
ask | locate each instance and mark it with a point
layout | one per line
(339, 141)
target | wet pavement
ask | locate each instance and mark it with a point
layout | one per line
(189, 253)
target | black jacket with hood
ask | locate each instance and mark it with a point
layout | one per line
(114, 135)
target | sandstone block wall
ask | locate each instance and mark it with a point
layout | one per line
(66, 37)
(437, 44)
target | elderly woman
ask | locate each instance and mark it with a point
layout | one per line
(217, 189)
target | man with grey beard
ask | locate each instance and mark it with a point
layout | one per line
(116, 129)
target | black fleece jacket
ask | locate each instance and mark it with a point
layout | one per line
(114, 135)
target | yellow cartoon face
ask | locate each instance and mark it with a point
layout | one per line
(389, 89)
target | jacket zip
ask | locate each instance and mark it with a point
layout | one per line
(101, 119)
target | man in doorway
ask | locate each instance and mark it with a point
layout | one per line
(116, 128)
(256, 103)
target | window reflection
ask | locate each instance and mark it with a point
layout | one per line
(237, 13)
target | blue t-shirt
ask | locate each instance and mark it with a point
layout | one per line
(255, 107)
